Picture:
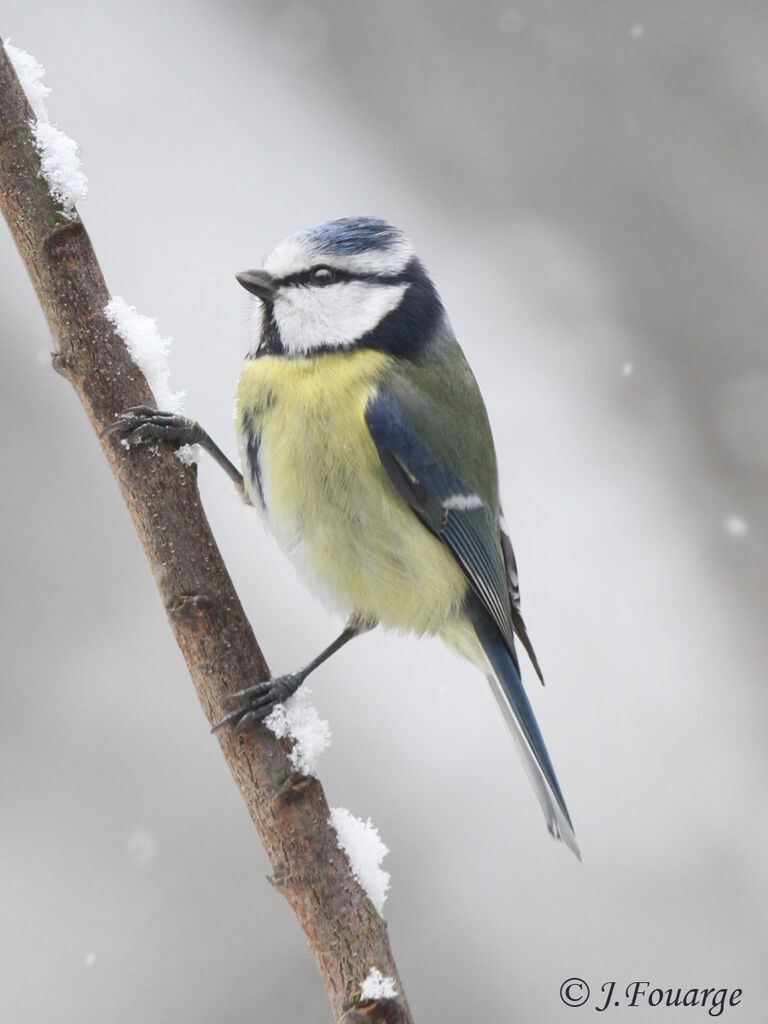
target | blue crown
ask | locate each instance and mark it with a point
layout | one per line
(351, 235)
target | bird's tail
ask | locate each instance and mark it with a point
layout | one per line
(508, 689)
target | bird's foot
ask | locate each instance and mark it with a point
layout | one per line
(258, 702)
(141, 425)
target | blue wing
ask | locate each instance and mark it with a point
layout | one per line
(465, 521)
(456, 515)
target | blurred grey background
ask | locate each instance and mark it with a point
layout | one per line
(587, 180)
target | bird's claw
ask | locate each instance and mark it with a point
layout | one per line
(258, 702)
(141, 424)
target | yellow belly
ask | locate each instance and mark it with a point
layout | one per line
(328, 499)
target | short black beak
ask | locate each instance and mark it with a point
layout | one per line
(259, 283)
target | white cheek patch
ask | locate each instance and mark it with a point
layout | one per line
(335, 316)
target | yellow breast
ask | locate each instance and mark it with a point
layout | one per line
(328, 499)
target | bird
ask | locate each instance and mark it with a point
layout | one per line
(365, 442)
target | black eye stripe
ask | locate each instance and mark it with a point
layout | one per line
(306, 277)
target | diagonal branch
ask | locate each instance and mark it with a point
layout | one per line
(345, 933)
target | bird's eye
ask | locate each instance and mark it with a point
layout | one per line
(322, 276)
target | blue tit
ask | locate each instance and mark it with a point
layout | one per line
(365, 441)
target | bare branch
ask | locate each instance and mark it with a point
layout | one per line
(346, 934)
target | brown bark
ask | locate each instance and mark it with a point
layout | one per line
(344, 931)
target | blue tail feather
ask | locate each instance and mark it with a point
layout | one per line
(508, 689)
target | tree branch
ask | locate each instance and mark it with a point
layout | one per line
(344, 931)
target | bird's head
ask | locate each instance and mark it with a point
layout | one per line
(345, 283)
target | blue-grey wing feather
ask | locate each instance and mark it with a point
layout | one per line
(514, 599)
(446, 506)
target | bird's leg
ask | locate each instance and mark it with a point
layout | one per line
(259, 701)
(142, 425)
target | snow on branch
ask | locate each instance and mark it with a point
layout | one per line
(298, 720)
(59, 155)
(378, 986)
(361, 842)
